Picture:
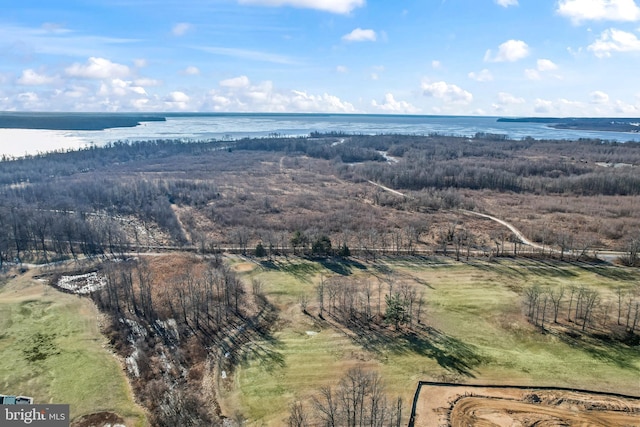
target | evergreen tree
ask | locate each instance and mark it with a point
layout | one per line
(260, 250)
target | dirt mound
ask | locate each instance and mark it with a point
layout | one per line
(99, 419)
(466, 405)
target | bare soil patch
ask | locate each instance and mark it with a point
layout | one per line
(464, 405)
(99, 419)
(243, 267)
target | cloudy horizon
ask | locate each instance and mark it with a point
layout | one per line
(449, 57)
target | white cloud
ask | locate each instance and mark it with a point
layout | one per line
(546, 65)
(181, 28)
(625, 108)
(302, 101)
(613, 40)
(447, 92)
(28, 96)
(98, 68)
(178, 96)
(236, 82)
(507, 3)
(66, 43)
(543, 106)
(32, 78)
(76, 92)
(482, 76)
(599, 10)
(566, 105)
(509, 51)
(532, 74)
(342, 69)
(563, 107)
(120, 88)
(240, 94)
(436, 65)
(505, 98)
(377, 69)
(247, 54)
(542, 66)
(333, 6)
(390, 105)
(177, 100)
(54, 27)
(599, 97)
(145, 81)
(191, 71)
(360, 35)
(140, 63)
(29, 100)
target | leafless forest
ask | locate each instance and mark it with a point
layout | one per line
(322, 197)
(574, 196)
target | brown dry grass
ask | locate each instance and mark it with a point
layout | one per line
(261, 191)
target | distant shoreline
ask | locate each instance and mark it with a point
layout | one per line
(601, 124)
(74, 121)
(103, 121)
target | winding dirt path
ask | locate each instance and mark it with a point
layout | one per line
(608, 256)
(513, 229)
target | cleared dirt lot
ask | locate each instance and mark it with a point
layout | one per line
(441, 405)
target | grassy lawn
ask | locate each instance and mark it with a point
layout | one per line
(476, 334)
(51, 349)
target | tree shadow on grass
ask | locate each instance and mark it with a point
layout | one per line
(525, 267)
(449, 352)
(607, 351)
(611, 271)
(342, 266)
(301, 270)
(497, 266)
(249, 339)
(269, 265)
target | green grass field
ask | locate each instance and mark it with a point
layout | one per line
(51, 349)
(477, 334)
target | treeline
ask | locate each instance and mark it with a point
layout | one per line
(46, 235)
(46, 166)
(77, 121)
(327, 149)
(201, 301)
(585, 309)
(358, 400)
(60, 216)
(365, 302)
(92, 201)
(175, 329)
(571, 167)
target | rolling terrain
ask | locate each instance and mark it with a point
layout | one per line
(240, 281)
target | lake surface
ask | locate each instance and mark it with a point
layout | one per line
(190, 127)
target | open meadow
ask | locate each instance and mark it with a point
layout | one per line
(52, 349)
(473, 331)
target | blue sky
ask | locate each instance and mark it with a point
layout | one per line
(461, 57)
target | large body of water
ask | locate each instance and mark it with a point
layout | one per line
(18, 142)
